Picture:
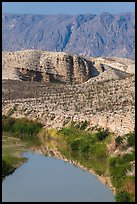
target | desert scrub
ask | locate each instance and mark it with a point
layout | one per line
(22, 128)
(90, 149)
(85, 146)
(131, 139)
(18, 135)
(124, 184)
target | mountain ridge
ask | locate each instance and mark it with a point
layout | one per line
(86, 34)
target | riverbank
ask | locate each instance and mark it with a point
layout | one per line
(11, 150)
(109, 157)
(93, 151)
(55, 153)
(18, 136)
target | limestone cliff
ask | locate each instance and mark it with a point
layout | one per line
(34, 65)
(102, 89)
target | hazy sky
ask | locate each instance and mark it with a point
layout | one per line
(67, 7)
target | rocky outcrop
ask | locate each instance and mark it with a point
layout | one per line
(99, 90)
(123, 64)
(34, 65)
(44, 66)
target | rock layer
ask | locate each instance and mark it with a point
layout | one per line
(34, 65)
(99, 90)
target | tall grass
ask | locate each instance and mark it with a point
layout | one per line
(22, 128)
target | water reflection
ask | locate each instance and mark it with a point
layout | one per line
(46, 179)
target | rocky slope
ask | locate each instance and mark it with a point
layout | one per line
(102, 91)
(88, 34)
(109, 104)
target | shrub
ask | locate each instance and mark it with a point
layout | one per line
(123, 196)
(75, 145)
(84, 125)
(102, 134)
(22, 128)
(118, 170)
(10, 163)
(22, 125)
(118, 141)
(128, 157)
(85, 147)
(7, 123)
(131, 139)
(6, 168)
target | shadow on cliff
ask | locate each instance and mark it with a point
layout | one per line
(93, 72)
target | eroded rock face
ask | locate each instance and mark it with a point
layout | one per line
(44, 66)
(34, 65)
(103, 89)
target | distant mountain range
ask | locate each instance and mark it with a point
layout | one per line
(86, 34)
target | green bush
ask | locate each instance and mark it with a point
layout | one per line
(128, 157)
(118, 169)
(26, 127)
(6, 168)
(118, 141)
(123, 196)
(84, 125)
(75, 145)
(68, 132)
(9, 164)
(114, 162)
(7, 123)
(131, 139)
(22, 128)
(21, 125)
(89, 150)
(102, 134)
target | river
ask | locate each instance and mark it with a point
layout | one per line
(47, 179)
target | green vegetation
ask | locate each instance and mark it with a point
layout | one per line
(119, 166)
(10, 163)
(18, 136)
(123, 196)
(11, 150)
(85, 146)
(75, 142)
(131, 139)
(125, 141)
(90, 149)
(22, 128)
(118, 141)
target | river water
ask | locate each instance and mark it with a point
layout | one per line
(46, 179)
